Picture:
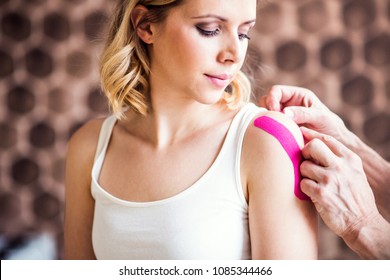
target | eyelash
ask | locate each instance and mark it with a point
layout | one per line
(207, 33)
(215, 32)
(244, 36)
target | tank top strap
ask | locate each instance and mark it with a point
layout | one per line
(250, 111)
(105, 135)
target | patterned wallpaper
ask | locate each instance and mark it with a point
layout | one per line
(49, 86)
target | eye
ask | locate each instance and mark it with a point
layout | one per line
(244, 36)
(208, 33)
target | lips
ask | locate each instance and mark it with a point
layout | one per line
(219, 81)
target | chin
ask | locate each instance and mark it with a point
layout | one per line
(211, 99)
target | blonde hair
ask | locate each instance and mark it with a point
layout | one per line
(125, 63)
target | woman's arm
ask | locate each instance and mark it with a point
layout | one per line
(79, 204)
(281, 225)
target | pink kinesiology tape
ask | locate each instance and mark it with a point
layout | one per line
(289, 144)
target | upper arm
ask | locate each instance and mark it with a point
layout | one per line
(79, 204)
(281, 225)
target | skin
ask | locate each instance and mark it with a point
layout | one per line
(185, 131)
(337, 184)
(304, 107)
(346, 179)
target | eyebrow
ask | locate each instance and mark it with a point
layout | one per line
(222, 18)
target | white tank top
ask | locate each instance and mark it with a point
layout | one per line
(208, 220)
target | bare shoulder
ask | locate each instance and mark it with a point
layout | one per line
(264, 158)
(258, 141)
(82, 147)
(84, 140)
(284, 121)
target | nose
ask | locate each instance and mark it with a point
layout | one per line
(232, 50)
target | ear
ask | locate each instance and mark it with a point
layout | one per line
(141, 26)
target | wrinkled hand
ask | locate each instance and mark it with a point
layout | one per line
(335, 181)
(304, 107)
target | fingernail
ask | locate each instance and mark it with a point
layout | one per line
(304, 129)
(327, 138)
(289, 113)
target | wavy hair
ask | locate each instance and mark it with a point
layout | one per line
(125, 63)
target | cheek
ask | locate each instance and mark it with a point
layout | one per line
(192, 48)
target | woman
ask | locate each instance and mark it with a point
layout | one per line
(182, 170)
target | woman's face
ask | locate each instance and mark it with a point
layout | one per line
(199, 48)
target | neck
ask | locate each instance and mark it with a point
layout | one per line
(170, 121)
(175, 123)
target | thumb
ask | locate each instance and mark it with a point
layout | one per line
(301, 115)
(270, 102)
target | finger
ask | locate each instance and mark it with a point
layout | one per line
(313, 171)
(334, 145)
(303, 115)
(299, 115)
(319, 152)
(310, 134)
(310, 188)
(316, 192)
(294, 96)
(279, 95)
(273, 99)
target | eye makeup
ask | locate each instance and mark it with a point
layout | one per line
(211, 29)
(244, 36)
(207, 33)
(211, 33)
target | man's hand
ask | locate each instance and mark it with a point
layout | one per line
(304, 107)
(335, 180)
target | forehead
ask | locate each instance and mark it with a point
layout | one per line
(233, 10)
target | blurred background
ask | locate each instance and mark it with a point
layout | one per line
(49, 86)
